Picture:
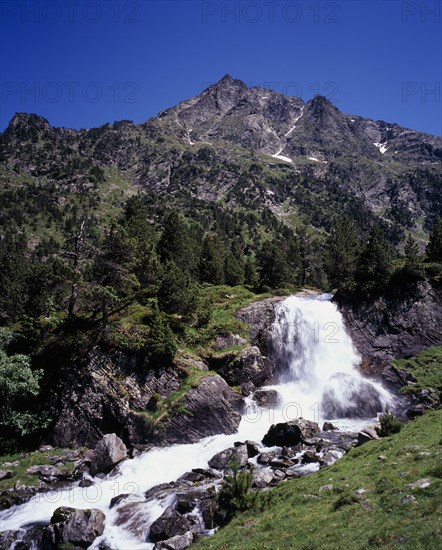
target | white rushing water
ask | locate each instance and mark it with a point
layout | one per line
(314, 354)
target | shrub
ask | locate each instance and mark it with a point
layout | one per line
(235, 495)
(390, 424)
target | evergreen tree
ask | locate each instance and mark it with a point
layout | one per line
(375, 264)
(15, 268)
(272, 265)
(211, 263)
(235, 494)
(177, 244)
(250, 275)
(234, 265)
(343, 247)
(434, 247)
(177, 292)
(162, 341)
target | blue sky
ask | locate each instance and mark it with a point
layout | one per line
(81, 63)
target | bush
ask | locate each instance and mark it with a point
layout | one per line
(235, 495)
(390, 424)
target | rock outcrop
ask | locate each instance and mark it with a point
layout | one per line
(209, 409)
(399, 324)
(74, 528)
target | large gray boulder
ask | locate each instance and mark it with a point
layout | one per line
(211, 408)
(170, 524)
(179, 542)
(221, 460)
(290, 433)
(110, 450)
(70, 526)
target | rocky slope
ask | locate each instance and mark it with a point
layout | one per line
(396, 325)
(241, 147)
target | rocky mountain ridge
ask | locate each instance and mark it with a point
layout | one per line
(243, 148)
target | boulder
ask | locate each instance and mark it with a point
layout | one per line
(262, 478)
(45, 470)
(221, 460)
(5, 474)
(345, 396)
(329, 427)
(170, 524)
(290, 433)
(179, 542)
(209, 509)
(367, 434)
(229, 341)
(248, 366)
(211, 408)
(70, 526)
(267, 398)
(110, 450)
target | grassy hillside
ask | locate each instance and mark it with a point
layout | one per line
(365, 500)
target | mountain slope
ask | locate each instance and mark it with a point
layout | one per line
(241, 148)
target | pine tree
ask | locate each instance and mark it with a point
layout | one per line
(234, 265)
(342, 255)
(177, 244)
(211, 263)
(177, 292)
(434, 247)
(272, 265)
(250, 276)
(162, 341)
(235, 494)
(375, 264)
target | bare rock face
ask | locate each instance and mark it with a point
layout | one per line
(397, 325)
(248, 367)
(290, 433)
(78, 528)
(260, 316)
(209, 409)
(108, 453)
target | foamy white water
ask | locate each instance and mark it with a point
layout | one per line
(311, 346)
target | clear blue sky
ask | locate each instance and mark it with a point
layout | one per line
(83, 63)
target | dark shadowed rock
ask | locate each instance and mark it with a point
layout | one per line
(70, 526)
(211, 408)
(267, 398)
(345, 396)
(249, 367)
(109, 451)
(170, 524)
(209, 509)
(290, 433)
(328, 427)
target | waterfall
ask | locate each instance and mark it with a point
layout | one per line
(318, 363)
(318, 380)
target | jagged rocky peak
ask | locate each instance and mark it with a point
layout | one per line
(27, 121)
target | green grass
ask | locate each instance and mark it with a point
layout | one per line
(25, 461)
(425, 367)
(301, 516)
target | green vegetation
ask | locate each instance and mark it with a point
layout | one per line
(426, 368)
(362, 501)
(236, 494)
(18, 463)
(389, 424)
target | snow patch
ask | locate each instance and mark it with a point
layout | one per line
(294, 122)
(281, 157)
(381, 146)
(352, 120)
(265, 97)
(314, 158)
